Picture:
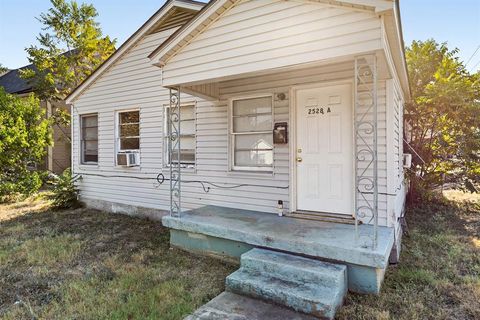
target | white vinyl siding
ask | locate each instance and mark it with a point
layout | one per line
(251, 136)
(266, 34)
(396, 187)
(212, 161)
(133, 81)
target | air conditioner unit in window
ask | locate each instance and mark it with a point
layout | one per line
(128, 159)
(407, 160)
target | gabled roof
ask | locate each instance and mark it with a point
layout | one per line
(215, 8)
(161, 20)
(13, 83)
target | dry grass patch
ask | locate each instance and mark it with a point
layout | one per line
(438, 276)
(35, 203)
(87, 264)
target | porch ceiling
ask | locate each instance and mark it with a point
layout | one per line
(327, 240)
(210, 89)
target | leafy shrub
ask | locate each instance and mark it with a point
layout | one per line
(64, 191)
(26, 183)
(24, 135)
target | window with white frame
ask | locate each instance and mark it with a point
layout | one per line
(89, 138)
(251, 136)
(187, 137)
(128, 132)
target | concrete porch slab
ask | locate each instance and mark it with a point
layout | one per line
(231, 306)
(327, 240)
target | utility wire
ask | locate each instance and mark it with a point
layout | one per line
(160, 178)
(411, 148)
(469, 59)
(473, 68)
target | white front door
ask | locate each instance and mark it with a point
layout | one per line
(324, 149)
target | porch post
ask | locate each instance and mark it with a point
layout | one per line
(173, 122)
(366, 154)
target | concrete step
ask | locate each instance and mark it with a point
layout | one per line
(309, 298)
(231, 306)
(295, 268)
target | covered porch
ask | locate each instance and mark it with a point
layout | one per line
(363, 245)
(229, 232)
(366, 207)
(335, 80)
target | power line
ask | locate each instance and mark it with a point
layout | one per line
(473, 68)
(472, 55)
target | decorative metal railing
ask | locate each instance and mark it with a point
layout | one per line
(366, 153)
(173, 123)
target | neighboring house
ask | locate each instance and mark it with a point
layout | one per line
(290, 108)
(58, 156)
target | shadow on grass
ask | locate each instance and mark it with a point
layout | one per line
(62, 264)
(438, 276)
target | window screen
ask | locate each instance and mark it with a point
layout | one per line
(187, 136)
(89, 138)
(252, 138)
(129, 130)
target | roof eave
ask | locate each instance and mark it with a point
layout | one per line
(185, 4)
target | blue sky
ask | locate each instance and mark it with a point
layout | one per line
(454, 21)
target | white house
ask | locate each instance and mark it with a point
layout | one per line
(273, 124)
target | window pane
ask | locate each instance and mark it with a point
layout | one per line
(89, 121)
(187, 127)
(186, 156)
(129, 143)
(254, 141)
(187, 113)
(254, 158)
(252, 106)
(89, 136)
(90, 133)
(252, 123)
(129, 130)
(90, 158)
(90, 151)
(129, 117)
(187, 135)
(187, 142)
(90, 147)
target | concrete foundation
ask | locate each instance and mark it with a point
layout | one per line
(230, 232)
(113, 207)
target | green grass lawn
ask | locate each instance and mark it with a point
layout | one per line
(87, 264)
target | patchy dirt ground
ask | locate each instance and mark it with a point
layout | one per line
(87, 264)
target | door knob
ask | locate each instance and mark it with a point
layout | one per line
(299, 159)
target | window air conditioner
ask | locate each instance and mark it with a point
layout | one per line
(128, 159)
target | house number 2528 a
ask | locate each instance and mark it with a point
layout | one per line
(317, 110)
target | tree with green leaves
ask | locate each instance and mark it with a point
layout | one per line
(3, 69)
(442, 121)
(70, 50)
(24, 136)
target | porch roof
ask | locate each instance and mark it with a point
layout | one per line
(327, 240)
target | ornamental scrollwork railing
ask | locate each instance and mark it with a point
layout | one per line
(366, 151)
(173, 123)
